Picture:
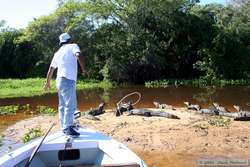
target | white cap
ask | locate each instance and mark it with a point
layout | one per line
(64, 37)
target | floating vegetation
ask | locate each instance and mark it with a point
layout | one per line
(25, 107)
(220, 122)
(32, 134)
(10, 109)
(195, 82)
(45, 110)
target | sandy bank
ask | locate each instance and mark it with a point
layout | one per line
(161, 141)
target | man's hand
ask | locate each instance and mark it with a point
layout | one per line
(46, 86)
(81, 60)
(84, 72)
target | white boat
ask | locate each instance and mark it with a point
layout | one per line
(90, 149)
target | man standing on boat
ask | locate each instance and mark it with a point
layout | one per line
(65, 60)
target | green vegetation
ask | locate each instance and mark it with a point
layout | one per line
(134, 41)
(32, 134)
(196, 82)
(10, 109)
(33, 87)
(25, 107)
(220, 122)
(45, 110)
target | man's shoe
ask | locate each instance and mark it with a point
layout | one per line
(71, 131)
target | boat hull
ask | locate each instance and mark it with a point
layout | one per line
(91, 148)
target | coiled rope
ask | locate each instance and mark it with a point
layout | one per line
(130, 94)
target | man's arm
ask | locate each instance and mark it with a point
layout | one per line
(48, 79)
(81, 60)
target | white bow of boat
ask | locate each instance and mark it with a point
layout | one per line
(91, 148)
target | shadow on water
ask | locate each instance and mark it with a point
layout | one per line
(226, 96)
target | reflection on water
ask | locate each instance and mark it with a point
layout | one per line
(207, 96)
(8, 120)
(227, 96)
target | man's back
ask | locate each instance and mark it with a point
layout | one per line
(66, 61)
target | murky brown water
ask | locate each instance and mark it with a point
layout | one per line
(227, 96)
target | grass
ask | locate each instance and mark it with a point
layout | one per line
(10, 88)
(32, 134)
(196, 82)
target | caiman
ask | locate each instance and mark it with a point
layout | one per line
(242, 115)
(220, 108)
(192, 106)
(163, 106)
(93, 112)
(150, 113)
(123, 107)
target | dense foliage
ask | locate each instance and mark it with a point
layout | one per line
(136, 40)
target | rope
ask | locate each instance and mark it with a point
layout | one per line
(130, 94)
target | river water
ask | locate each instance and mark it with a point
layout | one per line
(226, 96)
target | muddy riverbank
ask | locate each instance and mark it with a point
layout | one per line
(161, 141)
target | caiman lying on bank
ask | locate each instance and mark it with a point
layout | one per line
(90, 114)
(220, 108)
(221, 111)
(243, 115)
(123, 107)
(163, 106)
(127, 107)
(150, 113)
(192, 106)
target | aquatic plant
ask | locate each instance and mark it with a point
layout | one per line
(45, 110)
(10, 109)
(32, 134)
(220, 122)
(196, 82)
(25, 107)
